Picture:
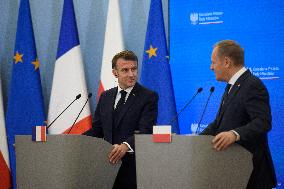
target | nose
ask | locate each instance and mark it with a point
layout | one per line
(131, 73)
(211, 67)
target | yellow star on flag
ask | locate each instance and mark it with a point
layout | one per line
(36, 64)
(152, 51)
(18, 57)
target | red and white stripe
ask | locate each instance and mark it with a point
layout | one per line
(5, 174)
(113, 44)
(162, 133)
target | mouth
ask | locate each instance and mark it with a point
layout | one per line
(132, 79)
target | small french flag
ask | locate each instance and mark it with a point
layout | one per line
(39, 134)
(162, 133)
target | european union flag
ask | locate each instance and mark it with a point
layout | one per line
(25, 103)
(156, 73)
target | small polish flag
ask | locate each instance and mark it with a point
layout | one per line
(39, 134)
(162, 133)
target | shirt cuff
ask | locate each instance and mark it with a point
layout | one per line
(130, 149)
(237, 135)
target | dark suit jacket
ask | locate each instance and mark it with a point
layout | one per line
(138, 115)
(247, 111)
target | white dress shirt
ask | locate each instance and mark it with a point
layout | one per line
(118, 96)
(236, 76)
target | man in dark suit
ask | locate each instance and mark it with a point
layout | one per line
(244, 115)
(122, 111)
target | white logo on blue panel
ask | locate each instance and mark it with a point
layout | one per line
(194, 18)
(202, 18)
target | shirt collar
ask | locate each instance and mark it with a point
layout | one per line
(236, 76)
(128, 90)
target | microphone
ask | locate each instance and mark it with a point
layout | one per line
(176, 116)
(89, 96)
(198, 125)
(77, 97)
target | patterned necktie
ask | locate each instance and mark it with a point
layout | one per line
(121, 100)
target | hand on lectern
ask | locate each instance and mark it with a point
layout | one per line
(118, 152)
(223, 140)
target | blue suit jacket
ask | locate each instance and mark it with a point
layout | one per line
(247, 111)
(138, 115)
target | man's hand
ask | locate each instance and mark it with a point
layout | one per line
(223, 140)
(118, 151)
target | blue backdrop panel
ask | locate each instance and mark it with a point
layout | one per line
(258, 26)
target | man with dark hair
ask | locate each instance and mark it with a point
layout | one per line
(122, 111)
(126, 55)
(244, 115)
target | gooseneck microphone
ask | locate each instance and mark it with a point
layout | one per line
(89, 96)
(176, 116)
(77, 97)
(198, 125)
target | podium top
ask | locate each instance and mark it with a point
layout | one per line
(64, 161)
(190, 162)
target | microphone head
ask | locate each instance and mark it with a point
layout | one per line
(78, 96)
(90, 95)
(200, 89)
(212, 89)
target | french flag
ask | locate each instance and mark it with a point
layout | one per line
(39, 134)
(69, 79)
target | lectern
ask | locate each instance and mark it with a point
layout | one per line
(190, 162)
(64, 161)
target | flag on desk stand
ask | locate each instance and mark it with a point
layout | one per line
(25, 101)
(156, 73)
(5, 173)
(69, 80)
(113, 44)
(162, 133)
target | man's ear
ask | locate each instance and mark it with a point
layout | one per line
(114, 72)
(227, 62)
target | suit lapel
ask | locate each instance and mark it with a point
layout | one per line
(233, 92)
(130, 100)
(112, 100)
(109, 105)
